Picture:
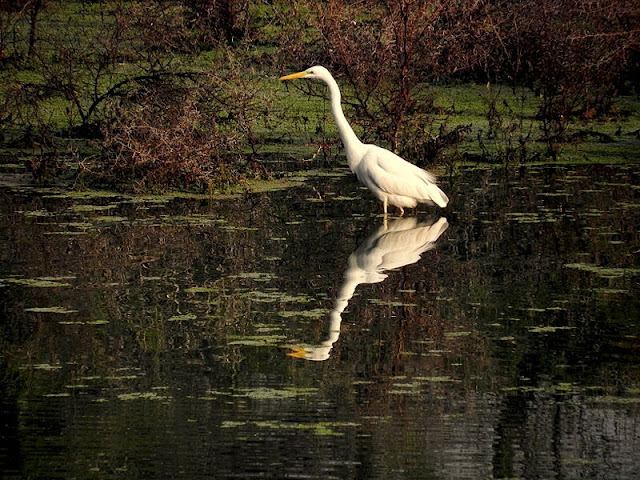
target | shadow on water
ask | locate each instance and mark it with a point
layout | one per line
(147, 337)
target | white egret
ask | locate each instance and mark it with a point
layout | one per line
(393, 180)
(389, 247)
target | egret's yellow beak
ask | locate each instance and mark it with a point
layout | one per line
(296, 352)
(293, 76)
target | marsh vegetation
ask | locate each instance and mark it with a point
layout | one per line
(181, 94)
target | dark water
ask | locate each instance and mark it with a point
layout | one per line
(164, 338)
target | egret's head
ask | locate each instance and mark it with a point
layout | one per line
(318, 72)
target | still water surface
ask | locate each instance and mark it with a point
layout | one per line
(292, 334)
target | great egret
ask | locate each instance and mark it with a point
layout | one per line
(389, 247)
(393, 180)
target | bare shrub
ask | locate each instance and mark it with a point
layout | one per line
(509, 133)
(374, 45)
(115, 72)
(100, 53)
(103, 69)
(175, 135)
(151, 32)
(13, 43)
(385, 52)
(215, 21)
(572, 53)
(11, 13)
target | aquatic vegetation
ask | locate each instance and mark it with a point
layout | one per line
(118, 378)
(318, 428)
(90, 208)
(615, 400)
(604, 271)
(612, 291)
(67, 232)
(530, 217)
(256, 340)
(264, 393)
(60, 310)
(274, 295)
(40, 282)
(38, 213)
(82, 322)
(437, 379)
(256, 276)
(416, 385)
(312, 313)
(549, 329)
(458, 334)
(143, 396)
(86, 195)
(110, 219)
(272, 185)
(199, 219)
(391, 303)
(46, 366)
(182, 317)
(341, 198)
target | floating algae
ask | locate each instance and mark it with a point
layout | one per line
(604, 271)
(61, 310)
(40, 282)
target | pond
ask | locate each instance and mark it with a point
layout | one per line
(295, 334)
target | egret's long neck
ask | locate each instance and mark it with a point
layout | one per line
(348, 136)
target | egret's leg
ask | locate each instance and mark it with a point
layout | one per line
(384, 206)
(401, 211)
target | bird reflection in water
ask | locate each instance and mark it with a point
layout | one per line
(395, 244)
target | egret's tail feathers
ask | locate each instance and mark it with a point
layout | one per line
(438, 196)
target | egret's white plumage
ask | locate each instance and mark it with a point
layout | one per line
(393, 180)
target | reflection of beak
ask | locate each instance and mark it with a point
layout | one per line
(297, 352)
(293, 76)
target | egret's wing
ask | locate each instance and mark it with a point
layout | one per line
(411, 181)
(395, 165)
(383, 170)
